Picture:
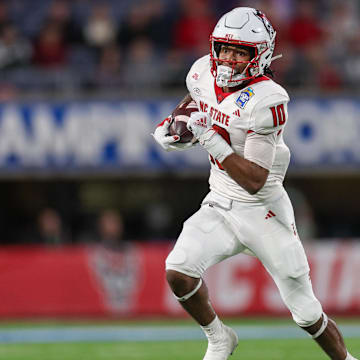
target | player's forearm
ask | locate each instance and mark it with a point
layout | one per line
(247, 174)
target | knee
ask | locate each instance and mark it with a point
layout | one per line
(308, 314)
(299, 297)
(180, 284)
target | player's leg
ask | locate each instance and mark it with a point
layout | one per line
(193, 296)
(222, 340)
(326, 333)
(281, 252)
(307, 312)
(204, 241)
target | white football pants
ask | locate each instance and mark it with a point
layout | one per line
(223, 227)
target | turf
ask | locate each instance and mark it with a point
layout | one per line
(263, 321)
(181, 350)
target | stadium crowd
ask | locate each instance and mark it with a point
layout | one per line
(145, 47)
(83, 46)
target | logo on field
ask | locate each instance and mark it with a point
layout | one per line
(244, 97)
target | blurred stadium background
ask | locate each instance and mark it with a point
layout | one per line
(90, 205)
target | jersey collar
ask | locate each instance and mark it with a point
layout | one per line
(258, 79)
(221, 95)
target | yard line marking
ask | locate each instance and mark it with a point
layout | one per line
(150, 333)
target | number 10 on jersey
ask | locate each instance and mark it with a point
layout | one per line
(278, 114)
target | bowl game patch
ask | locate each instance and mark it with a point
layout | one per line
(244, 97)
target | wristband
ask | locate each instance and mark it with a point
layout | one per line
(215, 145)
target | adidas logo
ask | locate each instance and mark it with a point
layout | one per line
(236, 113)
(269, 215)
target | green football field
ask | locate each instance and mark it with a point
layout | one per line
(299, 349)
(44, 347)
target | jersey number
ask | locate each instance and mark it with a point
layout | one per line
(278, 114)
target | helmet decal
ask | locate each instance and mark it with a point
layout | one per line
(266, 23)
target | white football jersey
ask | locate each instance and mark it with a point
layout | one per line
(258, 108)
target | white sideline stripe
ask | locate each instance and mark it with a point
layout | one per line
(150, 333)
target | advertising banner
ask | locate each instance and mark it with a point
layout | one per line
(94, 281)
(103, 136)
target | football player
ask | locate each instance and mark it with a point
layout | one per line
(241, 125)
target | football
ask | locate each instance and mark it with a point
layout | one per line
(180, 117)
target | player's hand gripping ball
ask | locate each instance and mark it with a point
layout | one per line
(199, 124)
(172, 134)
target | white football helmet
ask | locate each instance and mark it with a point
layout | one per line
(248, 27)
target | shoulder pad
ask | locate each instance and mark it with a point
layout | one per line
(270, 114)
(199, 67)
